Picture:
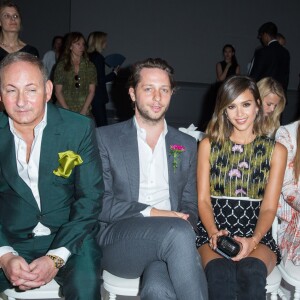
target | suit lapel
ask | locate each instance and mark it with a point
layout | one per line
(129, 149)
(173, 176)
(9, 164)
(51, 145)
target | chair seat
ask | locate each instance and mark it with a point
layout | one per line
(290, 273)
(120, 286)
(273, 280)
(50, 290)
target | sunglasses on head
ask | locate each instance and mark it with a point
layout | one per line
(77, 81)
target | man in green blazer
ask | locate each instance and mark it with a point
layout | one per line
(51, 187)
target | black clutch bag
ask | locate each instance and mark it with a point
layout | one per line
(228, 247)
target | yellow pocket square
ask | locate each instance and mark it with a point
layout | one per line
(67, 162)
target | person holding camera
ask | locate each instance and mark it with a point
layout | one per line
(239, 177)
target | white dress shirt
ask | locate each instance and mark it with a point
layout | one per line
(29, 172)
(154, 177)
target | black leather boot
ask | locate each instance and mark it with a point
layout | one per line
(251, 275)
(221, 279)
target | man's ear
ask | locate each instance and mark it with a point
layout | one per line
(131, 93)
(49, 89)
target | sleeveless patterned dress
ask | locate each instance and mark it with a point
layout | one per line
(238, 176)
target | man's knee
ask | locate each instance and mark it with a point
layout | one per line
(181, 230)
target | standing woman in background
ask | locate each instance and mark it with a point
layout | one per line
(10, 22)
(225, 68)
(229, 66)
(273, 100)
(75, 76)
(97, 42)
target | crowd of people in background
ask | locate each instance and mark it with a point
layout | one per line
(248, 166)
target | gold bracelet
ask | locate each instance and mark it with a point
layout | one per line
(255, 243)
(58, 261)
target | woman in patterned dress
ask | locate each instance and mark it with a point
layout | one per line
(75, 76)
(240, 174)
(289, 202)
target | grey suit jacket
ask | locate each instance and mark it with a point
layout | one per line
(118, 148)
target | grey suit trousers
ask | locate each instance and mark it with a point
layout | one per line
(162, 250)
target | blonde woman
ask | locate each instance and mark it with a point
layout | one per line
(274, 100)
(97, 42)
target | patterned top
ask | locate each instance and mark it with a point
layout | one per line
(240, 170)
(289, 202)
(75, 96)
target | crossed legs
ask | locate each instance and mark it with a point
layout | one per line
(160, 249)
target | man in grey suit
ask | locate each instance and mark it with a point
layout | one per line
(150, 199)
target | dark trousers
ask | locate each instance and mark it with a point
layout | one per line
(243, 280)
(99, 114)
(162, 251)
(80, 278)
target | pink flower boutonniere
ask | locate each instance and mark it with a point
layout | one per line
(175, 151)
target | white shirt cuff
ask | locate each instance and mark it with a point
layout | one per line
(146, 211)
(61, 252)
(7, 249)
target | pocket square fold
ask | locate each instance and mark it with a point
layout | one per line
(67, 162)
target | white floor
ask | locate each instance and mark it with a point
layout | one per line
(287, 289)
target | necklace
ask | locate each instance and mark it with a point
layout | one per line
(13, 48)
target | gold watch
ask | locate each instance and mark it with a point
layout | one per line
(58, 262)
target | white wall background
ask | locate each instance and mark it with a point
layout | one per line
(189, 34)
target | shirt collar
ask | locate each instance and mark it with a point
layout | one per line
(141, 132)
(272, 41)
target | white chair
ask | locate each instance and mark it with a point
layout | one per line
(48, 291)
(115, 285)
(273, 285)
(274, 278)
(291, 274)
